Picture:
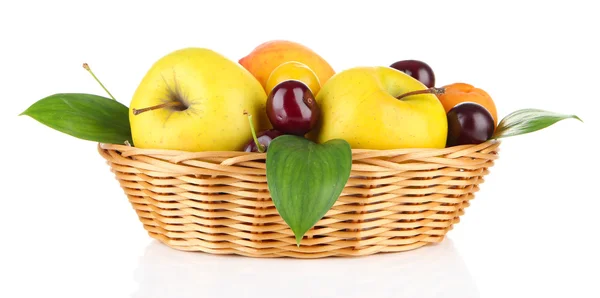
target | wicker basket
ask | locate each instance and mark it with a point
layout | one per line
(219, 203)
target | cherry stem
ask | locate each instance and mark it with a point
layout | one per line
(259, 146)
(432, 90)
(87, 67)
(160, 106)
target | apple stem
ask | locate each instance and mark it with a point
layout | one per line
(160, 106)
(259, 146)
(87, 67)
(432, 90)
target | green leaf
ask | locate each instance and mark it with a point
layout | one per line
(526, 121)
(305, 178)
(84, 116)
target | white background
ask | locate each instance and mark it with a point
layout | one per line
(67, 230)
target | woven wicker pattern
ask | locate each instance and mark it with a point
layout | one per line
(218, 202)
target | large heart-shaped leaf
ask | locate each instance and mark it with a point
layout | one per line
(526, 121)
(84, 116)
(305, 178)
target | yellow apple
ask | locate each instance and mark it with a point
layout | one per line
(194, 99)
(360, 105)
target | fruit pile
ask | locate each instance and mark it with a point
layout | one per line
(292, 107)
(284, 99)
(195, 99)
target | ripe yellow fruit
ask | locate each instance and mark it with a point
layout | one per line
(294, 70)
(360, 105)
(194, 99)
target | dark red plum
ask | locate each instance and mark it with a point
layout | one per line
(292, 108)
(418, 70)
(469, 123)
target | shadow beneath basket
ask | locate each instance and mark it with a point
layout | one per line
(431, 271)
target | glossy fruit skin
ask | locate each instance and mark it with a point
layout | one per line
(292, 108)
(293, 70)
(418, 70)
(461, 92)
(227, 91)
(360, 105)
(469, 123)
(263, 59)
(264, 137)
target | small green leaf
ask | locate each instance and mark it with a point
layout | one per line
(305, 178)
(526, 121)
(84, 116)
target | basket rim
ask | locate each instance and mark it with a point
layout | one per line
(400, 151)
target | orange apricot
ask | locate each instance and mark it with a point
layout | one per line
(461, 92)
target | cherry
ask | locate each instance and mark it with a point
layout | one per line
(291, 108)
(469, 123)
(416, 69)
(264, 138)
